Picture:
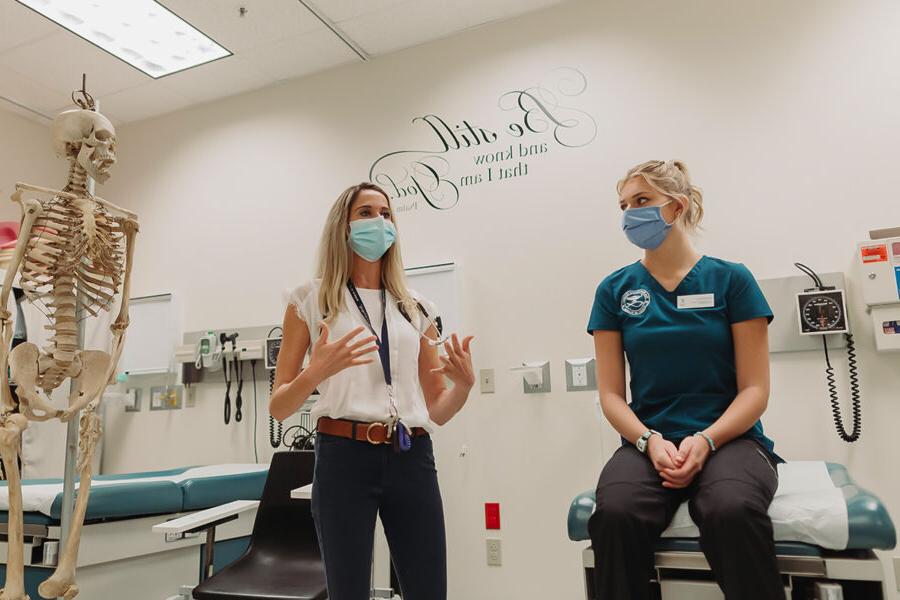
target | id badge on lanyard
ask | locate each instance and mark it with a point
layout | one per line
(398, 431)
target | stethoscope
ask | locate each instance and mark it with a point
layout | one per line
(435, 322)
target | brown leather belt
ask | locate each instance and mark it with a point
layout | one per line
(374, 433)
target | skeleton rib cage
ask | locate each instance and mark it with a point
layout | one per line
(74, 260)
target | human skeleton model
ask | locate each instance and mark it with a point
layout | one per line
(73, 254)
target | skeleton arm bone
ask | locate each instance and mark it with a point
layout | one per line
(32, 209)
(121, 323)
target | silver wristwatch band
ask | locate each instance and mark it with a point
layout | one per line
(644, 441)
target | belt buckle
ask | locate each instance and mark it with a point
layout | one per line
(369, 434)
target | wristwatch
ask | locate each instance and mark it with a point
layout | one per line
(641, 443)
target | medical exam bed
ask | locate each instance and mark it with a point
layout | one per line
(120, 556)
(826, 531)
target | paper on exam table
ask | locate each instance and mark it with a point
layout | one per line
(807, 507)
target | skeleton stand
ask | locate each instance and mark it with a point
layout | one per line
(68, 503)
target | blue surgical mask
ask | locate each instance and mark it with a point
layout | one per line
(645, 226)
(371, 238)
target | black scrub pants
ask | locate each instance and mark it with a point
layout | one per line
(728, 500)
(355, 481)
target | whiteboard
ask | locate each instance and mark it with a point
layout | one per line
(438, 284)
(152, 335)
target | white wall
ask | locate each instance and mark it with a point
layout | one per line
(26, 154)
(786, 112)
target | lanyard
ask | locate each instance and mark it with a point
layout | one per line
(384, 347)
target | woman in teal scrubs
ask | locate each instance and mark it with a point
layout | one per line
(694, 331)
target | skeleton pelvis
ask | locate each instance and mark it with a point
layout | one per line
(32, 369)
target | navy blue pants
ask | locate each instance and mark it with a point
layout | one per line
(355, 481)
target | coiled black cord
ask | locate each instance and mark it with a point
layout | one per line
(275, 426)
(255, 411)
(854, 393)
(276, 433)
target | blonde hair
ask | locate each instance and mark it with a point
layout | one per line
(672, 179)
(336, 257)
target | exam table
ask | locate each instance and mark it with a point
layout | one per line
(120, 557)
(826, 531)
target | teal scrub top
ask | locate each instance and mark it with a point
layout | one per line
(679, 344)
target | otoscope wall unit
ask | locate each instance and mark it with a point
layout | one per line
(225, 344)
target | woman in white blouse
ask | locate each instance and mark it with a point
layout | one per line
(373, 347)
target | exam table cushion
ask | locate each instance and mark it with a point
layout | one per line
(807, 514)
(139, 494)
(220, 484)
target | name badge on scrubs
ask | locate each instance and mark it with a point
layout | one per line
(697, 301)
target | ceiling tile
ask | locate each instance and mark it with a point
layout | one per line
(58, 61)
(478, 12)
(41, 63)
(404, 25)
(19, 24)
(225, 77)
(21, 89)
(301, 55)
(342, 10)
(148, 100)
(265, 21)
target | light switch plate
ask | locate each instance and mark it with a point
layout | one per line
(897, 571)
(133, 401)
(486, 377)
(581, 375)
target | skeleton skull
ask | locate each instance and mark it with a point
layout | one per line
(89, 138)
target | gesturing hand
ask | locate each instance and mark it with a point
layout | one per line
(331, 358)
(693, 453)
(457, 365)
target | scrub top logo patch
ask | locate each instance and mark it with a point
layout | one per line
(635, 302)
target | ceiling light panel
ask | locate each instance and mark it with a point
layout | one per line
(143, 33)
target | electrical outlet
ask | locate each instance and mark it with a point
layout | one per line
(579, 376)
(487, 381)
(494, 557)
